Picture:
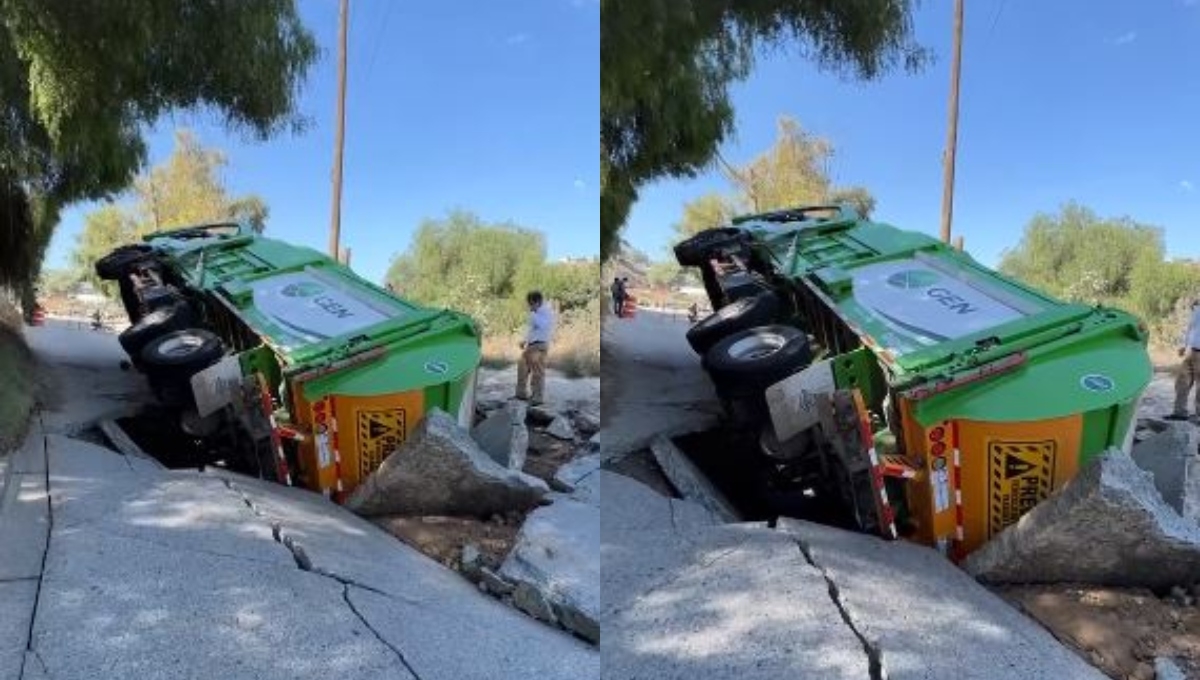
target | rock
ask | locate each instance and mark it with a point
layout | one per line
(1107, 526)
(541, 415)
(504, 436)
(557, 554)
(472, 561)
(440, 470)
(531, 601)
(487, 406)
(587, 423)
(1165, 456)
(1191, 491)
(560, 428)
(1165, 668)
(573, 472)
(495, 583)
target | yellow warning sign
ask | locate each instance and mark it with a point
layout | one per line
(379, 432)
(1020, 476)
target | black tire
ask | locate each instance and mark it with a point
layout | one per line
(117, 263)
(179, 355)
(695, 251)
(748, 362)
(739, 315)
(153, 325)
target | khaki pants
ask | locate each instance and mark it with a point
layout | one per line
(1189, 372)
(532, 365)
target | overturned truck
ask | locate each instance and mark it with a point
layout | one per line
(281, 361)
(930, 397)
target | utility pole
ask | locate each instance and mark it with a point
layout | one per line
(952, 129)
(335, 223)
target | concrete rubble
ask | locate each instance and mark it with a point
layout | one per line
(561, 428)
(1107, 526)
(440, 470)
(504, 436)
(690, 481)
(556, 555)
(1166, 455)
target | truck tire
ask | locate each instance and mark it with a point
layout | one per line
(179, 355)
(150, 326)
(746, 363)
(739, 315)
(114, 265)
(694, 251)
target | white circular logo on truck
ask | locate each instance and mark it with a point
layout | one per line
(1094, 382)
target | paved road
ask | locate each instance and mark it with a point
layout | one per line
(653, 383)
(114, 567)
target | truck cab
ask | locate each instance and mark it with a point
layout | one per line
(937, 399)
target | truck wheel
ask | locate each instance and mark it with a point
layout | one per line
(736, 316)
(115, 264)
(178, 355)
(157, 323)
(747, 362)
(694, 251)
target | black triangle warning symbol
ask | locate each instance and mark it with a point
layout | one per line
(1014, 466)
(377, 429)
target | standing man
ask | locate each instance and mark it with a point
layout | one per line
(534, 347)
(1189, 370)
(618, 295)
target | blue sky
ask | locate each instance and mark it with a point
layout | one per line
(1071, 100)
(486, 106)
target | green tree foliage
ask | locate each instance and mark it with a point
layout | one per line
(793, 171)
(1079, 256)
(486, 269)
(185, 189)
(666, 67)
(82, 79)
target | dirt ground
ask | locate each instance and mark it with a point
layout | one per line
(443, 538)
(1120, 631)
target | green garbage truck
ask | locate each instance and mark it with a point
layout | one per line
(279, 357)
(932, 397)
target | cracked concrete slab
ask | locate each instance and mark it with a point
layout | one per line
(630, 507)
(113, 606)
(736, 602)
(1109, 526)
(927, 618)
(30, 457)
(413, 601)
(24, 526)
(16, 608)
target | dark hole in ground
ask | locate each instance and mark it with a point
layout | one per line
(157, 432)
(734, 464)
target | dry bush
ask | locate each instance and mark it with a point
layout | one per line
(575, 349)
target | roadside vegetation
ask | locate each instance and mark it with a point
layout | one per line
(1076, 255)
(485, 269)
(17, 387)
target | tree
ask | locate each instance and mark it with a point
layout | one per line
(666, 66)
(793, 171)
(185, 189)
(82, 79)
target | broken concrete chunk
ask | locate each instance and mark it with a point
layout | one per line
(495, 583)
(1165, 668)
(1165, 455)
(530, 600)
(542, 415)
(586, 422)
(557, 554)
(504, 436)
(560, 428)
(1107, 526)
(690, 481)
(440, 470)
(572, 473)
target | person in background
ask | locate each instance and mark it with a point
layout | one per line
(531, 370)
(1189, 370)
(618, 295)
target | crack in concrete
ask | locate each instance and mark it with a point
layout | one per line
(19, 579)
(37, 597)
(872, 650)
(395, 650)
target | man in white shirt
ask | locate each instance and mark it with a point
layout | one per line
(535, 346)
(1189, 371)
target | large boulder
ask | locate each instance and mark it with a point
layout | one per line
(1108, 526)
(504, 436)
(1165, 455)
(440, 470)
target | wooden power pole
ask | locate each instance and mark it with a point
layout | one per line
(952, 128)
(335, 223)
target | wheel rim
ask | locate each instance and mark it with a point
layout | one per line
(178, 347)
(757, 346)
